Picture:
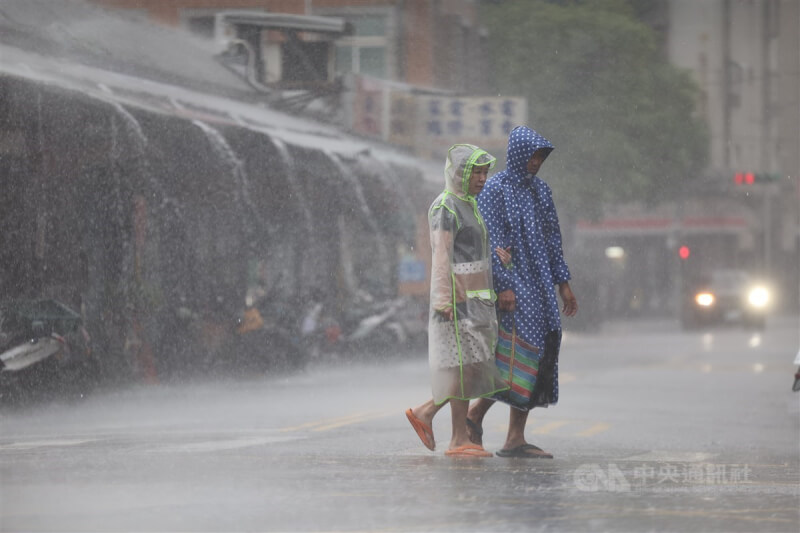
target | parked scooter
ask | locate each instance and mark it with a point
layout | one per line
(269, 340)
(264, 337)
(382, 325)
(43, 345)
(379, 322)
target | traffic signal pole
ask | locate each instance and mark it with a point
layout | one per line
(765, 202)
(767, 185)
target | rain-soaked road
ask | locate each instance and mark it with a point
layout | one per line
(657, 430)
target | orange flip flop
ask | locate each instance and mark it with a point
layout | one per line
(423, 430)
(468, 450)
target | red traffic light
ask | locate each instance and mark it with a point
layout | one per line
(749, 178)
(684, 252)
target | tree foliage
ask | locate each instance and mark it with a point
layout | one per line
(621, 117)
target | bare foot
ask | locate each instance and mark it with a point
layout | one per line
(474, 432)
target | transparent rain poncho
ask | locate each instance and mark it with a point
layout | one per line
(461, 351)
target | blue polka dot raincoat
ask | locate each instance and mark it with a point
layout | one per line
(519, 212)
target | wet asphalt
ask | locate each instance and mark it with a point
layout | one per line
(656, 430)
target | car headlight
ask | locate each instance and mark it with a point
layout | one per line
(704, 299)
(758, 297)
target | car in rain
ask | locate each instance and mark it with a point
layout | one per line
(726, 296)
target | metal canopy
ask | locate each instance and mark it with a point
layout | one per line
(285, 21)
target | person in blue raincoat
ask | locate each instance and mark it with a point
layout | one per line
(519, 212)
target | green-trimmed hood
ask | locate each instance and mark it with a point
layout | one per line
(458, 168)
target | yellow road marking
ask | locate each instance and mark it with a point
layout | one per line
(330, 423)
(566, 377)
(301, 426)
(356, 418)
(594, 430)
(547, 428)
(352, 420)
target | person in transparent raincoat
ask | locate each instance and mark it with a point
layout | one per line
(462, 327)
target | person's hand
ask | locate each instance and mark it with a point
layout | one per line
(504, 255)
(506, 300)
(570, 307)
(447, 312)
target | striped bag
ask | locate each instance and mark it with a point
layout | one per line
(523, 367)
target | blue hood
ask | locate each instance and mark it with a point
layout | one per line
(522, 143)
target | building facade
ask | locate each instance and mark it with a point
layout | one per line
(743, 211)
(422, 43)
(743, 54)
(745, 57)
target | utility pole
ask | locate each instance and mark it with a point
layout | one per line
(726, 76)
